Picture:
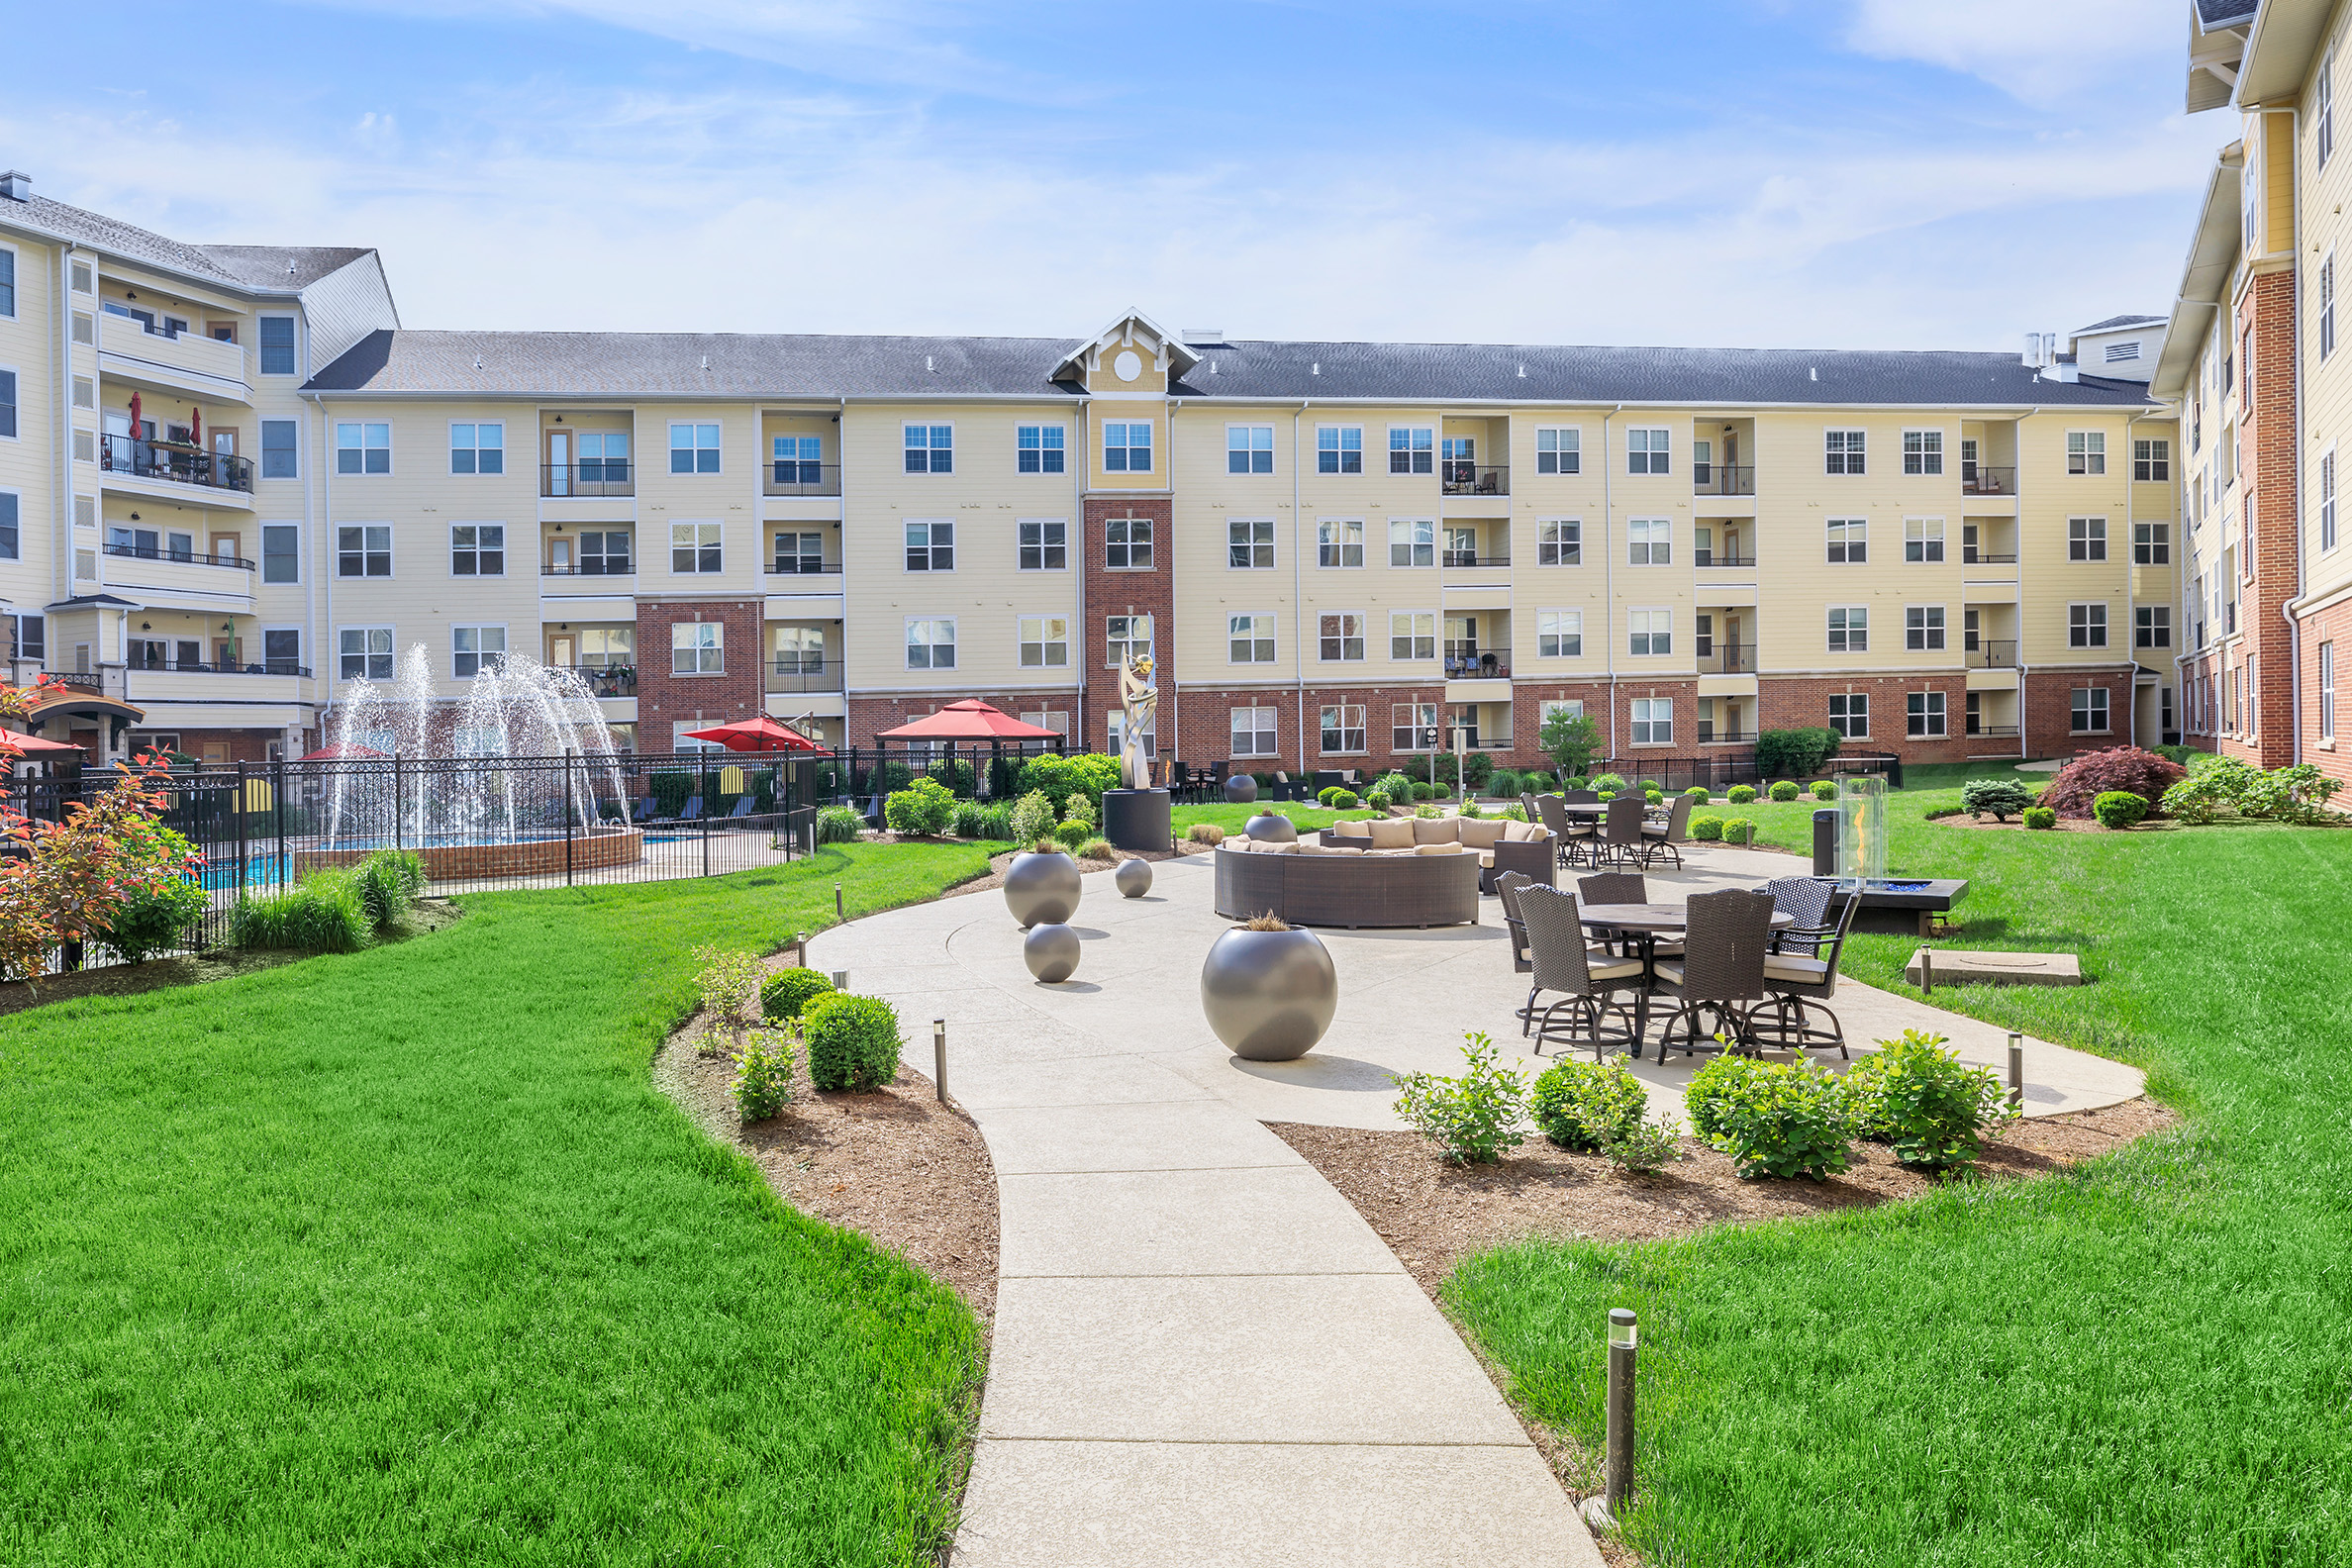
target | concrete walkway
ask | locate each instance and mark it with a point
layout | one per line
(1201, 1354)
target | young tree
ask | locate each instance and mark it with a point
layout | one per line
(1570, 740)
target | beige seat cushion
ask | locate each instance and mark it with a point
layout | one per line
(1436, 830)
(1439, 849)
(1353, 829)
(1390, 854)
(1669, 974)
(1516, 831)
(1307, 847)
(1608, 968)
(1480, 832)
(1392, 833)
(1795, 970)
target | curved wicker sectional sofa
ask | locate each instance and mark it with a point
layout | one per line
(1399, 871)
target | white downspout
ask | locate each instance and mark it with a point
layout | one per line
(1299, 587)
(61, 584)
(2295, 718)
(2018, 452)
(2130, 586)
(1609, 577)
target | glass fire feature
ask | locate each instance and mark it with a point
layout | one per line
(1862, 829)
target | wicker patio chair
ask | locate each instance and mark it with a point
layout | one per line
(1620, 841)
(1804, 900)
(1796, 1010)
(1668, 836)
(1720, 975)
(1507, 888)
(1623, 887)
(1591, 988)
(1582, 797)
(1575, 839)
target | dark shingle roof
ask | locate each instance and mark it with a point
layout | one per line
(267, 266)
(241, 267)
(2224, 13)
(728, 364)
(2120, 320)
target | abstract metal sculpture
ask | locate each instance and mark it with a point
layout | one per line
(1269, 995)
(1139, 700)
(1042, 889)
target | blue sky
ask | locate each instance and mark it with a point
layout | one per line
(1891, 174)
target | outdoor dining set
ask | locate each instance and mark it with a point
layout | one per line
(1623, 832)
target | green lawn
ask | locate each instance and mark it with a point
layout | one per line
(2141, 1361)
(1310, 819)
(400, 1258)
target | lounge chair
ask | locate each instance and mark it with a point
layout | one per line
(692, 811)
(742, 808)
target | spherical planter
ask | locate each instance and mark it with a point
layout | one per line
(1271, 828)
(1051, 950)
(1269, 995)
(1240, 789)
(1042, 889)
(1132, 878)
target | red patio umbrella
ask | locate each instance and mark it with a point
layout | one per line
(195, 427)
(756, 735)
(34, 746)
(969, 720)
(135, 416)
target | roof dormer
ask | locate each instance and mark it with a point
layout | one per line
(1135, 355)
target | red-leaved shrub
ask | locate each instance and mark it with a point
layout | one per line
(2092, 775)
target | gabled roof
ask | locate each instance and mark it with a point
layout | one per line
(2213, 14)
(2115, 323)
(1135, 329)
(256, 269)
(2212, 256)
(287, 267)
(2216, 40)
(2284, 40)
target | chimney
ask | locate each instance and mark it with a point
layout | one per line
(1203, 334)
(2033, 358)
(16, 185)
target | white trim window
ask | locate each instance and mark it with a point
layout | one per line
(477, 448)
(2323, 115)
(2086, 453)
(1649, 634)
(1849, 628)
(1126, 544)
(1849, 715)
(1923, 628)
(1041, 449)
(1413, 727)
(2085, 538)
(2151, 461)
(1339, 542)
(362, 447)
(694, 447)
(275, 337)
(1343, 731)
(1249, 639)
(1922, 451)
(8, 281)
(2327, 691)
(12, 541)
(698, 647)
(1413, 450)
(1653, 721)
(1649, 542)
(1924, 715)
(1126, 447)
(1339, 448)
(1250, 448)
(1648, 451)
(281, 552)
(1573, 707)
(695, 547)
(1250, 544)
(1843, 451)
(1124, 637)
(1412, 542)
(1559, 634)
(477, 550)
(931, 545)
(1340, 637)
(2327, 499)
(2087, 712)
(476, 648)
(281, 450)
(1044, 641)
(363, 549)
(1559, 541)
(1924, 539)
(930, 643)
(2085, 626)
(1559, 451)
(1256, 732)
(1413, 635)
(363, 654)
(2152, 544)
(1849, 541)
(929, 448)
(2326, 289)
(1044, 543)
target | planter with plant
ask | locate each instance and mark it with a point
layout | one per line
(1269, 990)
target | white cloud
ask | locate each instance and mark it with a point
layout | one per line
(2039, 51)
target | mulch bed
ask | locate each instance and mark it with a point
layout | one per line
(1430, 1213)
(2065, 824)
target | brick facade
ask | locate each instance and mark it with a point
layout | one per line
(1127, 591)
(1803, 703)
(663, 698)
(2047, 711)
(2331, 626)
(2268, 521)
(869, 715)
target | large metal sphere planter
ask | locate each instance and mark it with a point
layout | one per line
(1271, 828)
(1052, 951)
(1042, 889)
(1240, 789)
(1132, 878)
(1269, 995)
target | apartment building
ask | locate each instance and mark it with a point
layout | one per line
(2251, 358)
(1340, 554)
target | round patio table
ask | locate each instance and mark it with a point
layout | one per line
(1649, 921)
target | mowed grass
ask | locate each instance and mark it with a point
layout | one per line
(2141, 1361)
(400, 1258)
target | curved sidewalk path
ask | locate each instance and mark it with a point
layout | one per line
(1202, 1353)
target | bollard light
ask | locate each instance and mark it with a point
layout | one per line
(940, 1057)
(1927, 969)
(1616, 1470)
(800, 946)
(1620, 1328)
(2016, 1073)
(839, 912)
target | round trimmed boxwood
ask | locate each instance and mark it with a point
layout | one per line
(1784, 790)
(1740, 794)
(853, 1042)
(788, 991)
(1653, 798)
(1613, 782)
(1825, 789)
(2119, 809)
(1708, 829)
(1739, 830)
(1698, 793)
(2041, 817)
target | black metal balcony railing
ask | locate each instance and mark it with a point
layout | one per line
(1995, 731)
(1984, 479)
(165, 554)
(788, 476)
(1723, 559)
(1470, 559)
(1984, 655)
(802, 566)
(1723, 479)
(603, 566)
(175, 463)
(219, 668)
(803, 673)
(1721, 734)
(606, 680)
(1977, 557)
(1457, 477)
(1477, 666)
(597, 476)
(1717, 657)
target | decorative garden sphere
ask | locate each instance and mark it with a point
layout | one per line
(1240, 789)
(1269, 995)
(1051, 950)
(1134, 879)
(1271, 828)
(1042, 889)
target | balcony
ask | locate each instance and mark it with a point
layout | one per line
(165, 553)
(1998, 731)
(1470, 559)
(1721, 558)
(803, 566)
(606, 680)
(1456, 478)
(606, 566)
(175, 463)
(179, 361)
(1982, 479)
(1722, 479)
(802, 673)
(1722, 735)
(200, 668)
(1984, 655)
(789, 476)
(1977, 557)
(589, 480)
(1717, 657)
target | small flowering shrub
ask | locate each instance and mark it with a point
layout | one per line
(1474, 1119)
(763, 1084)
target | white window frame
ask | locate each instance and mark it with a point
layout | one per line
(1256, 442)
(931, 548)
(12, 546)
(1334, 539)
(1052, 457)
(1923, 629)
(1844, 450)
(1560, 445)
(1649, 542)
(367, 653)
(1418, 452)
(1650, 449)
(1255, 628)
(458, 655)
(1559, 634)
(1924, 541)
(1654, 626)
(2152, 627)
(1645, 726)
(262, 452)
(1843, 723)
(1044, 641)
(1126, 525)
(1421, 716)
(2081, 630)
(1264, 730)
(1844, 633)
(1419, 626)
(2151, 460)
(1922, 451)
(1359, 731)
(708, 653)
(930, 450)
(1926, 716)
(477, 448)
(479, 548)
(1565, 548)
(931, 642)
(1127, 446)
(1117, 649)
(693, 429)
(1418, 535)
(2152, 544)
(1332, 644)
(362, 450)
(1052, 536)
(2085, 538)
(2091, 703)
(2325, 285)
(391, 557)
(2086, 453)
(262, 565)
(1337, 451)
(1845, 542)
(261, 347)
(1250, 541)
(2327, 690)
(716, 539)
(2327, 499)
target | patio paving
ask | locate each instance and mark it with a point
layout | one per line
(1202, 1353)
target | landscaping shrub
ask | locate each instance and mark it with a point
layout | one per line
(1740, 794)
(1738, 831)
(1478, 769)
(2002, 799)
(1424, 791)
(1698, 795)
(1428, 810)
(1575, 781)
(1709, 830)
(1097, 849)
(1825, 789)
(1606, 795)
(1206, 832)
(1473, 1118)
(1611, 783)
(1073, 833)
(965, 823)
(1079, 810)
(1784, 789)
(787, 993)
(1648, 784)
(1774, 1119)
(1646, 1148)
(731, 985)
(2119, 809)
(2096, 773)
(1339, 797)
(1570, 739)
(1537, 783)
(1918, 1097)
(1470, 808)
(1581, 1106)
(1032, 816)
(763, 1084)
(2176, 753)
(1378, 800)
(389, 882)
(1513, 812)
(853, 1042)
(954, 775)
(2297, 794)
(1653, 798)
(323, 914)
(2040, 817)
(149, 922)
(1793, 751)
(1061, 777)
(839, 824)
(1504, 785)
(923, 806)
